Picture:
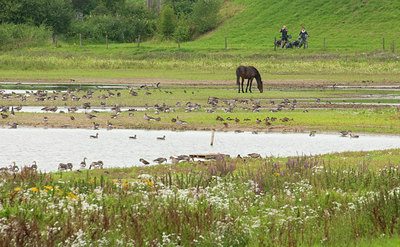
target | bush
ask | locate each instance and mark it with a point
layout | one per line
(205, 15)
(167, 21)
(20, 35)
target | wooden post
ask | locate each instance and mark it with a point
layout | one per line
(106, 41)
(80, 40)
(383, 44)
(179, 44)
(393, 46)
(226, 42)
(138, 41)
(212, 137)
(55, 38)
(324, 44)
(275, 44)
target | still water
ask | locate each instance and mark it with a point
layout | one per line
(49, 147)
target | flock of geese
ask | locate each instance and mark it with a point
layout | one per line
(343, 133)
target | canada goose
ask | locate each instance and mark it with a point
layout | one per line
(180, 121)
(96, 126)
(160, 160)
(174, 159)
(184, 157)
(312, 133)
(145, 162)
(34, 166)
(254, 155)
(96, 165)
(72, 118)
(344, 133)
(161, 138)
(13, 125)
(13, 167)
(95, 136)
(132, 137)
(63, 167)
(353, 136)
(45, 118)
(83, 163)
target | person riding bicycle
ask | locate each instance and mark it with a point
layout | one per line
(303, 35)
(284, 36)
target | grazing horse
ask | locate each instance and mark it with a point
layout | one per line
(248, 73)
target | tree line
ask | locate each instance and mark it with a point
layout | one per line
(120, 20)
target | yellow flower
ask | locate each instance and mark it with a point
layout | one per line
(71, 195)
(45, 190)
(150, 184)
(48, 187)
(59, 192)
(34, 189)
(17, 189)
(277, 174)
(92, 180)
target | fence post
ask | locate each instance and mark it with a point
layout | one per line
(275, 44)
(80, 40)
(383, 43)
(106, 41)
(138, 41)
(212, 137)
(226, 42)
(393, 46)
(324, 44)
(179, 44)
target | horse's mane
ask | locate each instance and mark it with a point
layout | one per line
(258, 76)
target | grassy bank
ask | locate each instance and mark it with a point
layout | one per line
(335, 200)
(96, 62)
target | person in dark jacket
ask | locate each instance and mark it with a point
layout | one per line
(284, 36)
(303, 35)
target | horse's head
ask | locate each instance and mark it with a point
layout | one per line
(260, 85)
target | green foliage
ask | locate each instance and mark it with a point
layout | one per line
(183, 30)
(205, 15)
(22, 35)
(133, 21)
(167, 21)
(58, 15)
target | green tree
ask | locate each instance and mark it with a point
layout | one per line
(205, 15)
(59, 15)
(167, 21)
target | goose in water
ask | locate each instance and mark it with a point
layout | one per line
(34, 166)
(353, 136)
(312, 133)
(95, 136)
(160, 160)
(63, 167)
(13, 167)
(83, 163)
(132, 137)
(145, 162)
(161, 138)
(96, 165)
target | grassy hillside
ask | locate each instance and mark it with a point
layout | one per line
(346, 24)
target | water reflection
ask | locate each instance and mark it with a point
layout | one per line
(49, 147)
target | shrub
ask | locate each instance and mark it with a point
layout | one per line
(19, 35)
(205, 15)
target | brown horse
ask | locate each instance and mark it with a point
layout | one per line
(248, 73)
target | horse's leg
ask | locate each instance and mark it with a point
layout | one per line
(238, 82)
(251, 82)
(242, 84)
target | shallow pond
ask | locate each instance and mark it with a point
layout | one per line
(49, 147)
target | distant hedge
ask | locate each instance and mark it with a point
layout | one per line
(20, 35)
